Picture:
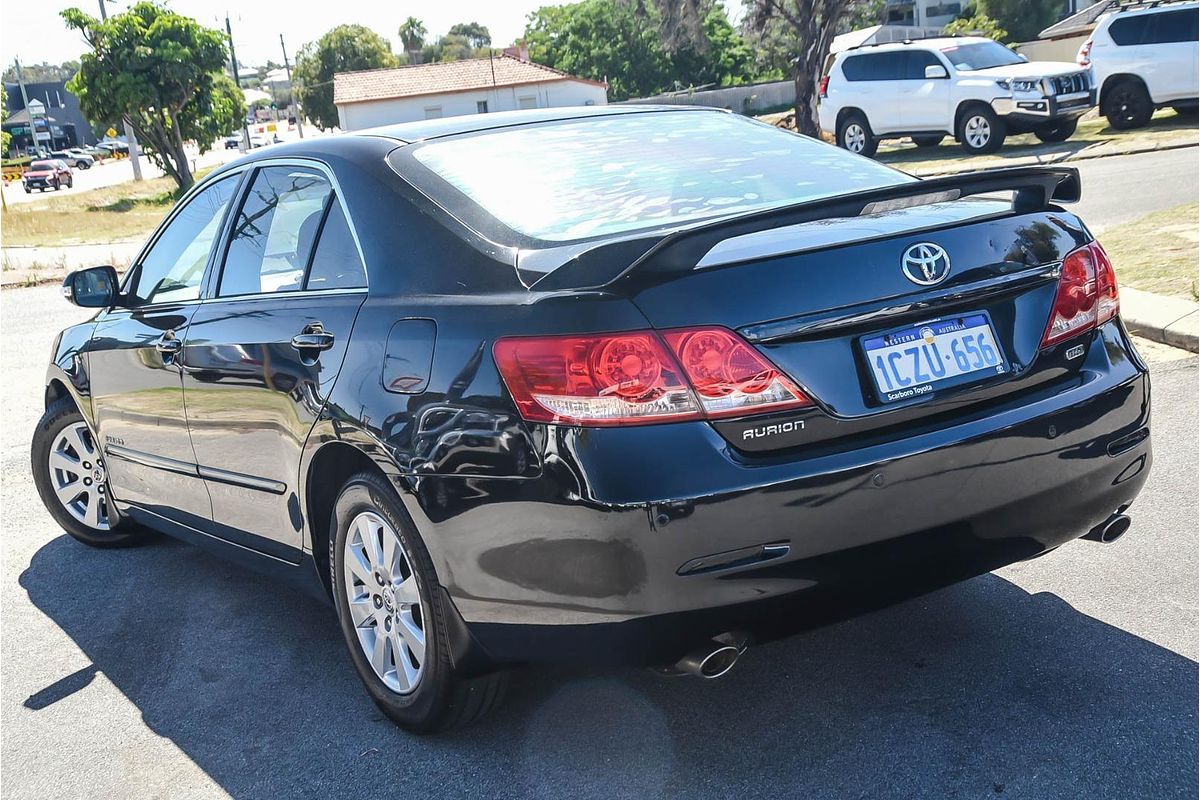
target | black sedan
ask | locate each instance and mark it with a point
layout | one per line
(610, 385)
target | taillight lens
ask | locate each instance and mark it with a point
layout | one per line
(633, 378)
(1084, 57)
(729, 376)
(1087, 294)
(823, 90)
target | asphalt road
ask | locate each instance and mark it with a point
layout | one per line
(165, 672)
(1119, 189)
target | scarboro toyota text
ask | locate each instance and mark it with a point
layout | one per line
(615, 385)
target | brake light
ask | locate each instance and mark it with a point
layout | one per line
(634, 378)
(1087, 294)
(1084, 57)
(823, 90)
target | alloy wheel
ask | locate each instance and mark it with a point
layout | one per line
(978, 131)
(384, 602)
(78, 478)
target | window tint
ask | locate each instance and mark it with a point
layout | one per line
(274, 231)
(174, 267)
(575, 179)
(1126, 31)
(918, 60)
(1175, 26)
(336, 264)
(876, 67)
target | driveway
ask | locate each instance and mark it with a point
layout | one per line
(164, 672)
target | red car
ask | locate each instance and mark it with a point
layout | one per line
(45, 174)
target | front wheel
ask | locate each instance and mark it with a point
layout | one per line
(1127, 105)
(1057, 131)
(69, 473)
(980, 131)
(854, 134)
(393, 616)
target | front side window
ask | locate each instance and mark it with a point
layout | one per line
(980, 55)
(274, 231)
(583, 178)
(1172, 27)
(173, 268)
(918, 60)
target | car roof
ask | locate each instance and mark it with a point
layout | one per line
(932, 43)
(1135, 11)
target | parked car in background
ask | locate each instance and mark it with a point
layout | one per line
(74, 157)
(971, 88)
(114, 147)
(233, 142)
(1145, 57)
(258, 140)
(50, 173)
(706, 384)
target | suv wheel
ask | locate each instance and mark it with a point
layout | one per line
(1187, 112)
(927, 141)
(980, 130)
(68, 470)
(1127, 105)
(1057, 131)
(392, 614)
(854, 134)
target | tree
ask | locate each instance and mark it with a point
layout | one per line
(346, 48)
(451, 47)
(978, 25)
(412, 36)
(805, 30)
(477, 35)
(5, 137)
(162, 70)
(716, 55)
(42, 73)
(1023, 19)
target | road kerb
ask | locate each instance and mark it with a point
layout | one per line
(1170, 320)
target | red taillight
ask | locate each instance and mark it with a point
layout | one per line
(823, 90)
(632, 378)
(1084, 56)
(1087, 294)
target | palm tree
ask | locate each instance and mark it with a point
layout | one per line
(412, 35)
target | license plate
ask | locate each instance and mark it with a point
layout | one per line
(915, 361)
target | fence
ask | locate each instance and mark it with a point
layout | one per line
(752, 99)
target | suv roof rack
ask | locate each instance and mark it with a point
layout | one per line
(909, 40)
(1139, 5)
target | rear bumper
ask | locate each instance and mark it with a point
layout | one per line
(583, 564)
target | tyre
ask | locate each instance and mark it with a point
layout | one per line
(28, 190)
(70, 183)
(1127, 105)
(927, 141)
(1057, 131)
(392, 614)
(980, 130)
(68, 471)
(1188, 112)
(854, 134)
(57, 185)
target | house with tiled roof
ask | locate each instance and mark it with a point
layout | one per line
(503, 82)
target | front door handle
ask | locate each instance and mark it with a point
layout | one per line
(313, 337)
(168, 345)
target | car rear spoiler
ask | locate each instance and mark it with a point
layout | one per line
(1033, 188)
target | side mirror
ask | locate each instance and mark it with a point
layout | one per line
(936, 71)
(95, 287)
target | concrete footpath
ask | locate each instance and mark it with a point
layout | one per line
(1170, 320)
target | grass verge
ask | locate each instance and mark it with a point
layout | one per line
(1157, 253)
(98, 216)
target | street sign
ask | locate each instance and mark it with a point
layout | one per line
(111, 133)
(37, 108)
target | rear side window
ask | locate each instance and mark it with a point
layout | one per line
(336, 263)
(274, 231)
(876, 67)
(1127, 31)
(584, 178)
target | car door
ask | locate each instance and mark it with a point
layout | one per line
(926, 100)
(871, 86)
(264, 347)
(135, 378)
(1172, 37)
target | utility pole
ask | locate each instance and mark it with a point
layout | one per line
(238, 82)
(292, 87)
(130, 138)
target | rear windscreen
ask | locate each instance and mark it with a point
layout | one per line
(590, 177)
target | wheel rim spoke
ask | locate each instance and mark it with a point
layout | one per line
(68, 492)
(60, 460)
(414, 637)
(407, 592)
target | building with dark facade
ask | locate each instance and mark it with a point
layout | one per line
(63, 125)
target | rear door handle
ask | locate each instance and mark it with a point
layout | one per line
(313, 337)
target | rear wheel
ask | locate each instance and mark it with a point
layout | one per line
(1057, 131)
(854, 134)
(1127, 105)
(980, 131)
(1188, 112)
(69, 472)
(393, 617)
(927, 141)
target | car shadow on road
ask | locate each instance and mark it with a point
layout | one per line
(977, 690)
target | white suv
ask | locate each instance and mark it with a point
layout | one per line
(972, 88)
(1144, 57)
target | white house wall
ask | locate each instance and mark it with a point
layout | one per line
(551, 94)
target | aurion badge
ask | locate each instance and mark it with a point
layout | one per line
(925, 264)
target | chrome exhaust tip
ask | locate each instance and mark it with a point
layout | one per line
(1110, 530)
(712, 659)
